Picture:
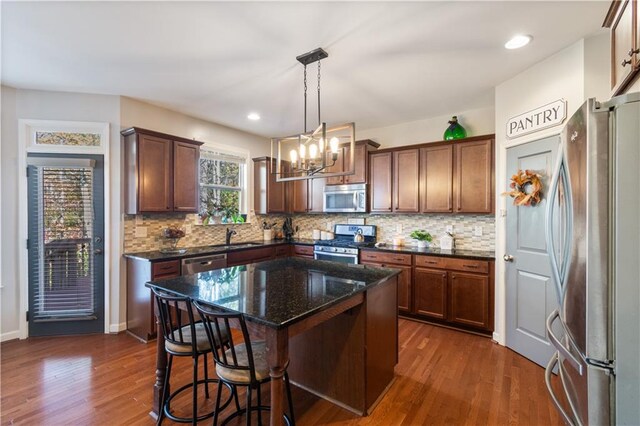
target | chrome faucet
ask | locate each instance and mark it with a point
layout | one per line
(230, 233)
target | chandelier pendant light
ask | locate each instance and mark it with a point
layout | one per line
(314, 154)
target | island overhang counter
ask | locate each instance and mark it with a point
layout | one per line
(336, 324)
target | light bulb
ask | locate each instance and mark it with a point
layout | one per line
(334, 144)
(313, 150)
(321, 145)
(303, 152)
(294, 156)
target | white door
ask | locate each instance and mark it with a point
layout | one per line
(530, 289)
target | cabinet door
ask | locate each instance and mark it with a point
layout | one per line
(316, 195)
(436, 169)
(622, 43)
(337, 167)
(380, 166)
(404, 284)
(406, 181)
(430, 293)
(473, 177)
(469, 299)
(276, 192)
(360, 162)
(154, 174)
(300, 196)
(186, 168)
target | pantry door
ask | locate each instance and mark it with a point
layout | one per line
(65, 245)
(530, 288)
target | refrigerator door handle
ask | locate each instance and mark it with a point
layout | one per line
(558, 345)
(547, 378)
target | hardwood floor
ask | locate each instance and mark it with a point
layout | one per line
(443, 377)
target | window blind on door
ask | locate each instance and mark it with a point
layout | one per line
(61, 257)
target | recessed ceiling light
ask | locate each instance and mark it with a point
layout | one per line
(254, 116)
(518, 41)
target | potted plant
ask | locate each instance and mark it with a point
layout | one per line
(423, 237)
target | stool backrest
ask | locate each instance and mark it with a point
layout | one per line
(170, 313)
(218, 323)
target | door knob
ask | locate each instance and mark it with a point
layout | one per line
(507, 258)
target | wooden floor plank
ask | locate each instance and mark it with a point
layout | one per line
(444, 377)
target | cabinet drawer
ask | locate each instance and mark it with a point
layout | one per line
(382, 257)
(430, 262)
(479, 266)
(168, 269)
(250, 256)
(282, 251)
(303, 250)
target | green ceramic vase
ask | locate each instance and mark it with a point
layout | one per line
(455, 130)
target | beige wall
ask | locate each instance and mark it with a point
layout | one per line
(574, 74)
(476, 122)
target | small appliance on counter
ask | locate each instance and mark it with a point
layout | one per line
(343, 248)
(447, 242)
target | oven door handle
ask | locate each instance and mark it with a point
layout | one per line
(336, 254)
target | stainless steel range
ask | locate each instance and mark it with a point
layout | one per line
(343, 248)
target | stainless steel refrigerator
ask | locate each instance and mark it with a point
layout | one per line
(593, 240)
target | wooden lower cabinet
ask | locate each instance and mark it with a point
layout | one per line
(469, 299)
(245, 257)
(299, 250)
(404, 284)
(430, 292)
(141, 320)
(457, 292)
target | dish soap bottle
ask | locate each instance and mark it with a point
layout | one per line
(455, 130)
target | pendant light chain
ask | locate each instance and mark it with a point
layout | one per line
(305, 98)
(319, 92)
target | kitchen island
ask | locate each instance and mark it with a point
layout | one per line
(336, 324)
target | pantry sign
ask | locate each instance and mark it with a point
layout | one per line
(546, 116)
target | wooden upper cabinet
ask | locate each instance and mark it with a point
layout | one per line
(269, 195)
(380, 180)
(300, 196)
(337, 167)
(186, 172)
(154, 174)
(473, 176)
(161, 172)
(406, 181)
(360, 160)
(624, 22)
(315, 195)
(436, 177)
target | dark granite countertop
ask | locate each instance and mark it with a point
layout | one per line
(278, 293)
(434, 251)
(157, 255)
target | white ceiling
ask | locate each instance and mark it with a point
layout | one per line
(389, 62)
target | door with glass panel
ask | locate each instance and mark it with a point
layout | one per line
(65, 245)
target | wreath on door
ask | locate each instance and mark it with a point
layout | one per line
(526, 188)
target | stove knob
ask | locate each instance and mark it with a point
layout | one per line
(342, 250)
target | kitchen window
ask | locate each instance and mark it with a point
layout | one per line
(223, 188)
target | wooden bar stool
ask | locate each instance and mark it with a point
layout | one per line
(242, 364)
(187, 339)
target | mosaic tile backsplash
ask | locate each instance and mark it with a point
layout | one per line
(143, 232)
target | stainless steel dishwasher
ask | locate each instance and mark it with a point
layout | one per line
(193, 265)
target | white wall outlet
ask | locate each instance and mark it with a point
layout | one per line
(398, 227)
(141, 232)
(477, 231)
(449, 228)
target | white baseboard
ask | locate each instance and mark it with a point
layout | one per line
(10, 336)
(497, 338)
(117, 328)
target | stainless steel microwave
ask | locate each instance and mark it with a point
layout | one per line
(345, 198)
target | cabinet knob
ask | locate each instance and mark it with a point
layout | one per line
(625, 62)
(444, 275)
(634, 51)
